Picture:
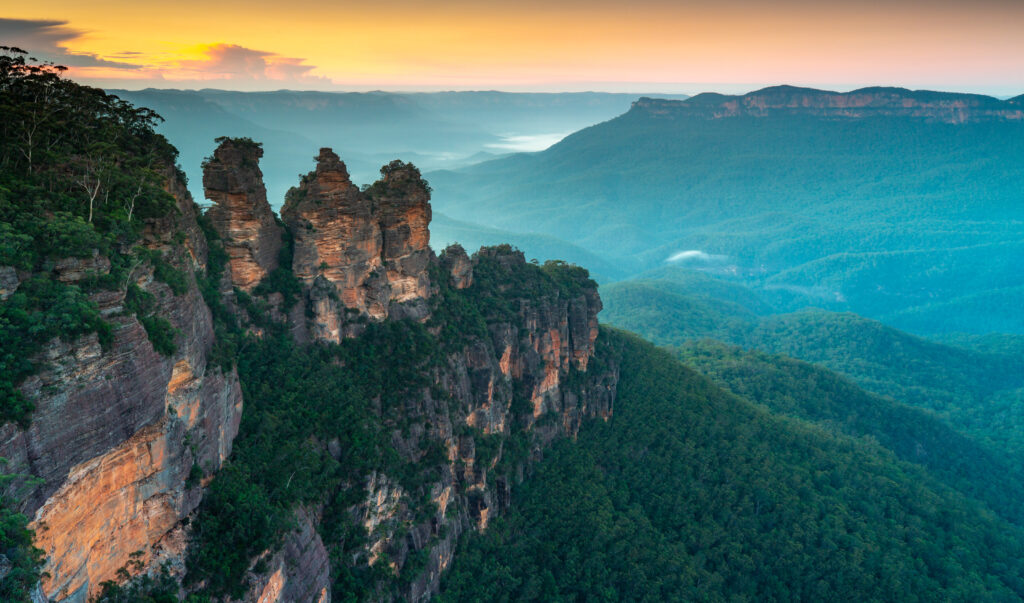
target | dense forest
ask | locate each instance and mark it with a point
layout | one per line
(80, 172)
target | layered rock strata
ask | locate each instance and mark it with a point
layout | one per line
(125, 439)
(529, 379)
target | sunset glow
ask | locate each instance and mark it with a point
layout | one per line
(400, 44)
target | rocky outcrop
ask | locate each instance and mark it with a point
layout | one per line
(338, 246)
(123, 438)
(402, 201)
(300, 571)
(527, 380)
(459, 267)
(359, 255)
(8, 282)
(241, 214)
(865, 102)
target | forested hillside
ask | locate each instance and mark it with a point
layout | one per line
(689, 492)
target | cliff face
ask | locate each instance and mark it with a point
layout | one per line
(123, 438)
(497, 397)
(866, 102)
(241, 214)
(359, 255)
(128, 437)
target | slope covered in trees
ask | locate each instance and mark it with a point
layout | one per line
(692, 493)
(976, 391)
(801, 390)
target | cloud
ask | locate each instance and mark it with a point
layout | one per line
(695, 255)
(46, 39)
(234, 62)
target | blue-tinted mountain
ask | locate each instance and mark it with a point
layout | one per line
(883, 201)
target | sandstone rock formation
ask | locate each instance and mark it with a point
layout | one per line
(783, 100)
(300, 571)
(241, 214)
(402, 201)
(527, 376)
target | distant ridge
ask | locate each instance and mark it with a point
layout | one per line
(949, 107)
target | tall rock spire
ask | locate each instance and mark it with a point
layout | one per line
(241, 214)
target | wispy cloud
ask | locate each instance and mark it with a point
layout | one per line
(46, 40)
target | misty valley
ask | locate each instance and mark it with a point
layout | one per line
(311, 346)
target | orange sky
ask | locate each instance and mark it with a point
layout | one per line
(650, 45)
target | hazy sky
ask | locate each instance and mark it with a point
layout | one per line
(642, 45)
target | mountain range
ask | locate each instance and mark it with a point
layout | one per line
(898, 205)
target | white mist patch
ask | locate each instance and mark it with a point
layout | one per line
(526, 143)
(695, 255)
(818, 292)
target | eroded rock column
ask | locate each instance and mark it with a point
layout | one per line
(241, 214)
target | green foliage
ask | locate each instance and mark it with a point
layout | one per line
(398, 179)
(23, 560)
(16, 543)
(571, 279)
(689, 493)
(243, 142)
(164, 272)
(225, 326)
(282, 280)
(143, 588)
(801, 390)
(77, 150)
(161, 333)
(974, 391)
